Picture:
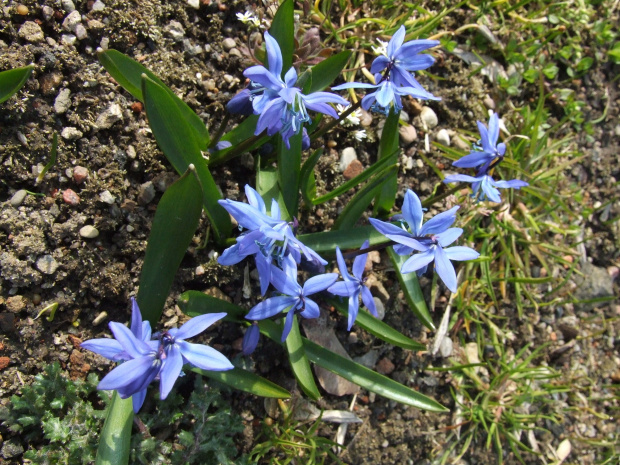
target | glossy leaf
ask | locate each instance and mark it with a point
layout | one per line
(325, 242)
(246, 381)
(180, 146)
(242, 139)
(299, 362)
(267, 186)
(377, 327)
(368, 379)
(325, 73)
(353, 211)
(289, 168)
(12, 80)
(175, 222)
(306, 178)
(388, 148)
(115, 437)
(411, 288)
(128, 73)
(194, 303)
(283, 30)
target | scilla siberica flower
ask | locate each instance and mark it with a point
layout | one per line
(487, 149)
(430, 238)
(293, 296)
(485, 187)
(353, 286)
(393, 74)
(161, 358)
(282, 107)
(268, 237)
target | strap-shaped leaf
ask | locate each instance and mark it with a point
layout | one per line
(12, 80)
(325, 242)
(194, 303)
(268, 187)
(175, 222)
(289, 168)
(388, 147)
(299, 362)
(246, 381)
(115, 438)
(411, 288)
(378, 328)
(128, 73)
(368, 379)
(324, 73)
(181, 147)
(283, 30)
(306, 177)
(358, 204)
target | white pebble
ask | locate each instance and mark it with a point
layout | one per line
(98, 6)
(429, 118)
(71, 133)
(346, 157)
(443, 137)
(46, 264)
(89, 232)
(107, 197)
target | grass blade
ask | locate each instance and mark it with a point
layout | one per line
(12, 80)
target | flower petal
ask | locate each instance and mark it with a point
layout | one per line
(342, 266)
(319, 283)
(205, 357)
(311, 309)
(132, 345)
(284, 282)
(474, 158)
(461, 253)
(288, 324)
(255, 199)
(270, 307)
(359, 263)
(412, 212)
(368, 301)
(344, 288)
(137, 400)
(108, 348)
(136, 319)
(439, 223)
(354, 305)
(274, 55)
(170, 370)
(197, 325)
(396, 41)
(417, 261)
(445, 269)
(136, 371)
(449, 236)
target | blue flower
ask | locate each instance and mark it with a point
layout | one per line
(430, 238)
(292, 295)
(393, 74)
(268, 237)
(485, 187)
(353, 286)
(163, 357)
(250, 339)
(487, 149)
(283, 107)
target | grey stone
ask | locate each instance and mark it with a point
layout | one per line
(346, 157)
(194, 4)
(429, 117)
(146, 193)
(369, 359)
(71, 21)
(380, 308)
(89, 232)
(80, 32)
(63, 101)
(110, 116)
(407, 133)
(443, 137)
(107, 197)
(228, 44)
(175, 30)
(71, 133)
(446, 347)
(47, 264)
(98, 6)
(595, 283)
(31, 32)
(68, 6)
(68, 39)
(18, 198)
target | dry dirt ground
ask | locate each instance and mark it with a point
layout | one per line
(110, 175)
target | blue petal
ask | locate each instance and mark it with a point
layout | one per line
(413, 47)
(368, 301)
(449, 236)
(264, 272)
(197, 325)
(137, 400)
(136, 371)
(241, 103)
(108, 348)
(417, 261)
(489, 190)
(514, 183)
(319, 283)
(408, 241)
(412, 212)
(474, 158)
(270, 307)
(379, 64)
(493, 130)
(439, 223)
(261, 75)
(444, 269)
(246, 215)
(288, 324)
(205, 357)
(284, 282)
(415, 63)
(388, 228)
(274, 55)
(344, 288)
(354, 306)
(355, 85)
(461, 253)
(136, 319)
(385, 94)
(255, 199)
(311, 309)
(250, 340)
(133, 346)
(459, 178)
(396, 42)
(231, 256)
(290, 78)
(359, 263)
(342, 266)
(170, 370)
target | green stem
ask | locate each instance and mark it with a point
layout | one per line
(335, 122)
(218, 135)
(235, 151)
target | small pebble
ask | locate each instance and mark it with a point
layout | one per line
(68, 6)
(71, 133)
(385, 366)
(80, 174)
(48, 12)
(354, 169)
(428, 117)
(347, 156)
(89, 232)
(63, 101)
(228, 44)
(489, 103)
(110, 116)
(18, 198)
(71, 21)
(70, 197)
(99, 318)
(47, 264)
(107, 197)
(80, 32)
(98, 6)
(380, 308)
(31, 32)
(22, 10)
(68, 39)
(146, 193)
(194, 4)
(407, 134)
(353, 338)
(443, 137)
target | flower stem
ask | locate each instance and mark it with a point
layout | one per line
(335, 122)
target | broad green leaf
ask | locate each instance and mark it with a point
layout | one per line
(411, 287)
(175, 222)
(299, 362)
(267, 186)
(360, 178)
(176, 139)
(283, 30)
(128, 73)
(246, 381)
(346, 239)
(325, 72)
(358, 204)
(378, 328)
(306, 177)
(12, 80)
(368, 379)
(194, 303)
(289, 167)
(388, 147)
(115, 438)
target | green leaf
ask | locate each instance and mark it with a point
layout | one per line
(358, 204)
(267, 186)
(368, 379)
(614, 53)
(299, 361)
(12, 80)
(178, 142)
(584, 64)
(128, 73)
(325, 72)
(246, 381)
(347, 239)
(115, 436)
(175, 222)
(194, 303)
(306, 177)
(388, 147)
(411, 287)
(283, 30)
(289, 168)
(52, 160)
(378, 328)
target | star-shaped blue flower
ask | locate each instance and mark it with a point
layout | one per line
(487, 150)
(353, 286)
(292, 296)
(430, 238)
(485, 187)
